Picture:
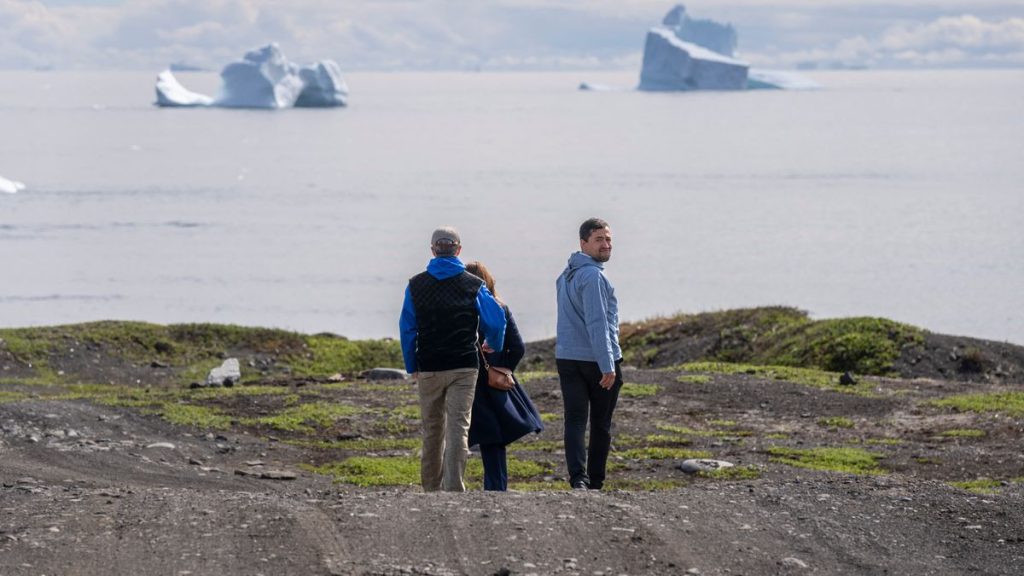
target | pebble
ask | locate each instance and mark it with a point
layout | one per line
(794, 562)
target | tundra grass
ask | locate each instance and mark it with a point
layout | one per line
(804, 376)
(6, 396)
(848, 460)
(661, 453)
(534, 375)
(362, 444)
(684, 431)
(306, 418)
(979, 486)
(114, 395)
(963, 433)
(630, 390)
(835, 422)
(405, 470)
(693, 379)
(327, 355)
(536, 446)
(884, 441)
(1006, 402)
(732, 473)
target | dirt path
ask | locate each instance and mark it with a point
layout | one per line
(94, 490)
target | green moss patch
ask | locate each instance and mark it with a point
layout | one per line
(848, 460)
(684, 431)
(963, 433)
(124, 396)
(373, 471)
(326, 355)
(732, 473)
(405, 470)
(804, 376)
(1005, 402)
(665, 439)
(535, 446)
(979, 486)
(662, 453)
(363, 444)
(693, 379)
(305, 418)
(884, 441)
(861, 345)
(638, 390)
(6, 396)
(835, 422)
(531, 376)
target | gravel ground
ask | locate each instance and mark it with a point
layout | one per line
(91, 489)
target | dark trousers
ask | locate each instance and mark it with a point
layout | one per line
(584, 398)
(495, 466)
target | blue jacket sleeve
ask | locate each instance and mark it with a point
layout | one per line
(595, 310)
(492, 318)
(408, 331)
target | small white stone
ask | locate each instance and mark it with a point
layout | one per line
(167, 445)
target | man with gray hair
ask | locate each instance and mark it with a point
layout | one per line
(444, 308)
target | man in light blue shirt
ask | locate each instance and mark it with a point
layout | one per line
(588, 355)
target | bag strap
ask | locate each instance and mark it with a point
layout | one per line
(487, 365)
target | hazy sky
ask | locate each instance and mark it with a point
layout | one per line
(499, 34)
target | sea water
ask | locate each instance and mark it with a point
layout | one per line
(895, 194)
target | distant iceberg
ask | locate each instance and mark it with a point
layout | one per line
(264, 78)
(10, 186)
(171, 93)
(688, 54)
(672, 64)
(712, 35)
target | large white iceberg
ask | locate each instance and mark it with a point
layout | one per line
(688, 54)
(672, 64)
(264, 78)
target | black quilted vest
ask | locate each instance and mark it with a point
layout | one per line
(446, 320)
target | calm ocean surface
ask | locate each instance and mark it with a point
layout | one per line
(896, 194)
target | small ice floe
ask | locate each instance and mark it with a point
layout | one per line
(10, 186)
(595, 87)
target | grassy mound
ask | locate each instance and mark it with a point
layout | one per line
(778, 336)
(75, 351)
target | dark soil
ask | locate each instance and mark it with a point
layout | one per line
(91, 488)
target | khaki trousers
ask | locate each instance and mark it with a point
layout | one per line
(446, 404)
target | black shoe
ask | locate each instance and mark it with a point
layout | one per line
(579, 485)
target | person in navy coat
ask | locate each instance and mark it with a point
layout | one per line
(500, 417)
